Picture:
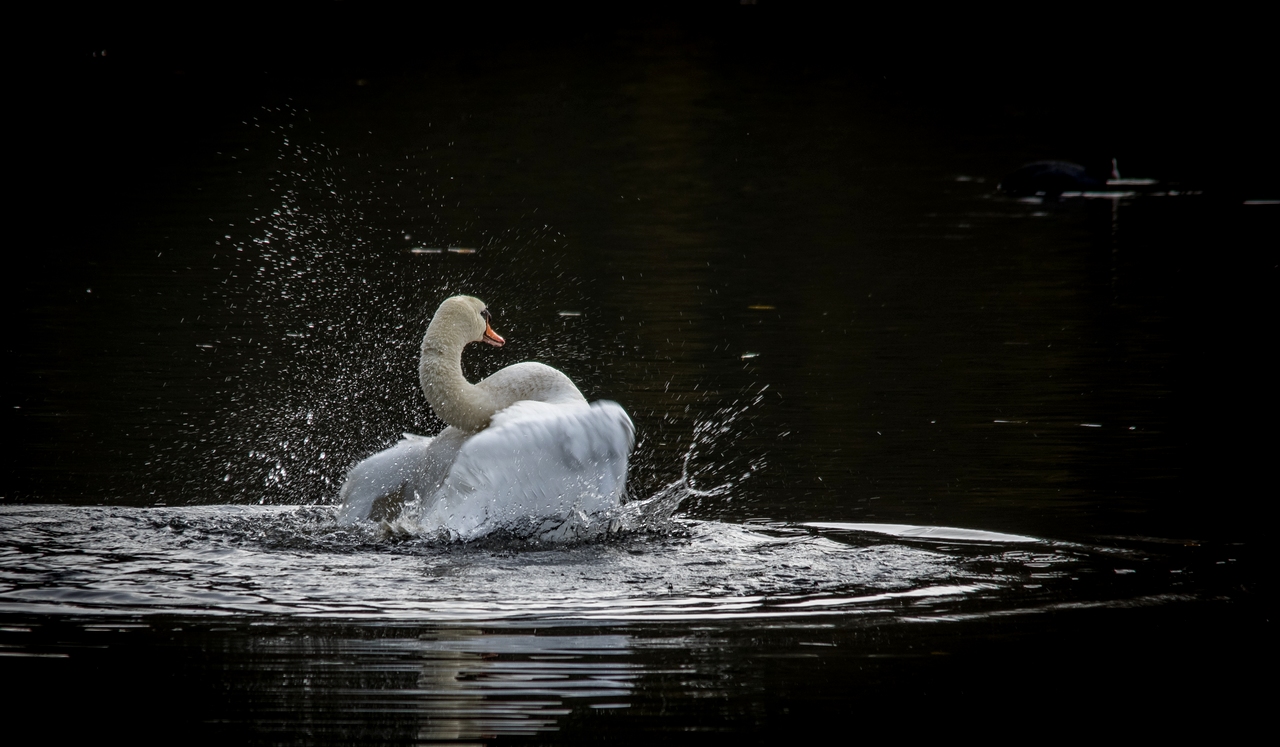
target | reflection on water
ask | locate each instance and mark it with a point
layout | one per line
(473, 685)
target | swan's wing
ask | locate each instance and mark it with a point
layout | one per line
(414, 468)
(537, 465)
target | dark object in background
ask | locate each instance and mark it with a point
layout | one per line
(1052, 178)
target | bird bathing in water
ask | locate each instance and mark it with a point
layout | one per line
(523, 451)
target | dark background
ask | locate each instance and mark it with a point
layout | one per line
(120, 108)
(105, 143)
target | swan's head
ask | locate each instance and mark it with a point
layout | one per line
(463, 319)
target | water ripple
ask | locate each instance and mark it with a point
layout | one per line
(298, 562)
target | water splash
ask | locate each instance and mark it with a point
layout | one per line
(310, 339)
(656, 513)
(721, 433)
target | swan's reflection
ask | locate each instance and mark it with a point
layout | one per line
(474, 685)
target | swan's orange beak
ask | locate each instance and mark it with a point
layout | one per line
(491, 337)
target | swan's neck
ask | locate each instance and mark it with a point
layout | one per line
(454, 400)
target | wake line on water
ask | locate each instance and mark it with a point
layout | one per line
(298, 562)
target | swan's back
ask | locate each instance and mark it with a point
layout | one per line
(530, 381)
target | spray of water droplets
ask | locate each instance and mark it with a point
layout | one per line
(318, 322)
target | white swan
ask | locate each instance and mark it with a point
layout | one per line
(523, 451)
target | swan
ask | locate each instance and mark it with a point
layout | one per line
(523, 450)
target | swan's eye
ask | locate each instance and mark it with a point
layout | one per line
(488, 318)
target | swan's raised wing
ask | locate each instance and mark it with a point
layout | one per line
(536, 469)
(414, 468)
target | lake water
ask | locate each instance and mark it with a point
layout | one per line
(914, 455)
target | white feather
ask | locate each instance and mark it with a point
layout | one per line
(538, 466)
(526, 453)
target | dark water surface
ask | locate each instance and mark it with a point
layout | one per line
(937, 455)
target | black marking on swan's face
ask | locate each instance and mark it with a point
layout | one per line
(489, 336)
